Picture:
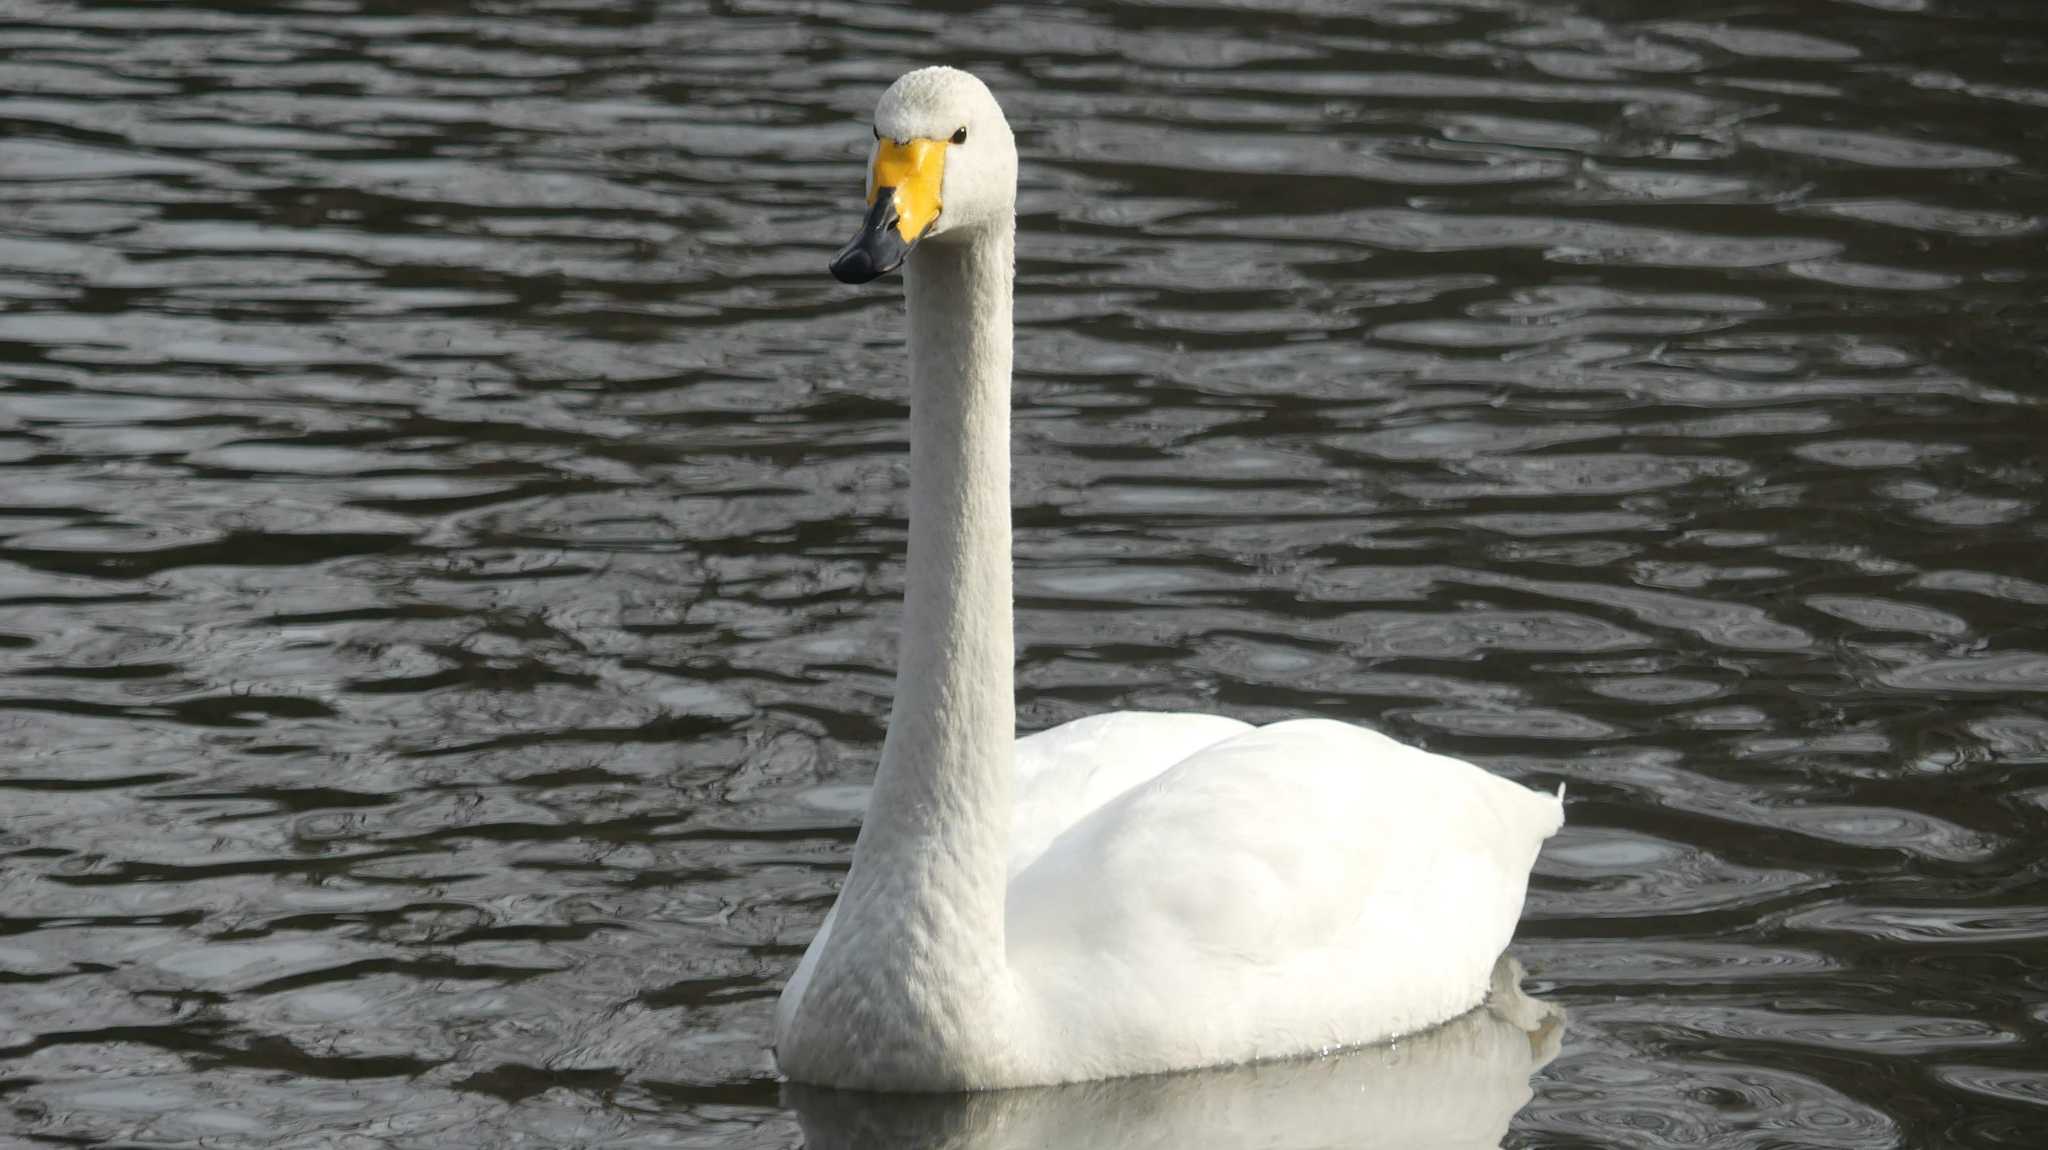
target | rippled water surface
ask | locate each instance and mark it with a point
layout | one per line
(451, 527)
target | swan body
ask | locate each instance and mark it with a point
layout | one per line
(1456, 1087)
(1128, 893)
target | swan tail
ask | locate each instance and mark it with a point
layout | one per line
(1553, 812)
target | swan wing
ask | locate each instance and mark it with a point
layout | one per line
(1291, 888)
(1066, 772)
(1062, 774)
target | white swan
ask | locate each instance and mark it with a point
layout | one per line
(1128, 893)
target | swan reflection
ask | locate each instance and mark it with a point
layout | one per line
(1455, 1086)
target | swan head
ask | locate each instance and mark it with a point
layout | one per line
(943, 168)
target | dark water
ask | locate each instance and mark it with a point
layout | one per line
(450, 526)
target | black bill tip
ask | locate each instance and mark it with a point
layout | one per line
(878, 249)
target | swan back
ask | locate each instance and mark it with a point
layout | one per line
(1300, 886)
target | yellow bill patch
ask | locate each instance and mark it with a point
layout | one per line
(915, 170)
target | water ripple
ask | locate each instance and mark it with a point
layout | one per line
(452, 534)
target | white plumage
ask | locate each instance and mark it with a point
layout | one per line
(1128, 893)
(1454, 1088)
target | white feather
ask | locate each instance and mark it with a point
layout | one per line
(1454, 1088)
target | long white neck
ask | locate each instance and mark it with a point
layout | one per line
(922, 912)
(945, 773)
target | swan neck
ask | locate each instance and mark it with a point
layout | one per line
(946, 763)
(922, 911)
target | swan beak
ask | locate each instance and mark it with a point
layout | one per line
(902, 204)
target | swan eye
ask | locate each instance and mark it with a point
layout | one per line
(960, 137)
(878, 133)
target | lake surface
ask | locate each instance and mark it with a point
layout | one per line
(451, 528)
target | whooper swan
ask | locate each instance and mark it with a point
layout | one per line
(1127, 893)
